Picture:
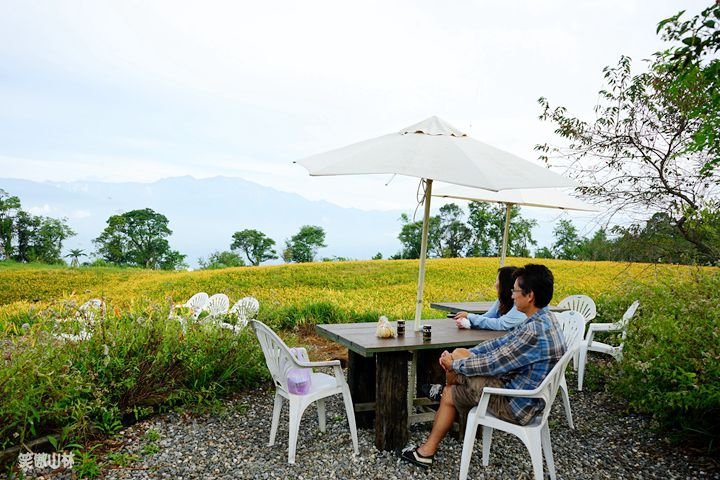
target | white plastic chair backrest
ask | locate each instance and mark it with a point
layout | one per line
(278, 357)
(572, 325)
(582, 304)
(629, 313)
(549, 387)
(218, 304)
(246, 308)
(197, 301)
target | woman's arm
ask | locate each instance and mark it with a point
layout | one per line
(510, 320)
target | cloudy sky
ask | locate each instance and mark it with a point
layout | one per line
(142, 90)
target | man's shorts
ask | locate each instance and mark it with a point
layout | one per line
(468, 390)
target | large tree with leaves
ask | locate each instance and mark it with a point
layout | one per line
(567, 241)
(217, 260)
(303, 246)
(636, 155)
(455, 235)
(411, 237)
(138, 238)
(257, 246)
(40, 239)
(25, 237)
(487, 225)
(9, 207)
(691, 60)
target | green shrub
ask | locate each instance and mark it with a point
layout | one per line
(135, 363)
(671, 364)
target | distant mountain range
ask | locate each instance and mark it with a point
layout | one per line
(204, 213)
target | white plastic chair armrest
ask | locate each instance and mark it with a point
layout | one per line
(506, 392)
(511, 392)
(327, 363)
(604, 327)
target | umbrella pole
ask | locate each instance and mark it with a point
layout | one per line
(506, 231)
(423, 253)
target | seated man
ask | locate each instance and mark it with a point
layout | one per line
(520, 360)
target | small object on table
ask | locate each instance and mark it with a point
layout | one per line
(426, 332)
(450, 315)
(401, 327)
(384, 329)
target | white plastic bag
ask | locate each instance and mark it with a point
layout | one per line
(384, 329)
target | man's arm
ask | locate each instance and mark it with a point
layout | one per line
(513, 352)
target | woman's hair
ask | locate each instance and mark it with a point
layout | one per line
(505, 275)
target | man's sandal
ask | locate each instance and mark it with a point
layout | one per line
(411, 455)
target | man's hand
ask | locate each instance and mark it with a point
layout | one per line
(446, 361)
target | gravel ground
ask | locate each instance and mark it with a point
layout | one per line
(608, 444)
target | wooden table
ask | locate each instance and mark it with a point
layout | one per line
(471, 307)
(474, 307)
(378, 369)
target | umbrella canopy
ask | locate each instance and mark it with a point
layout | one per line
(542, 197)
(434, 150)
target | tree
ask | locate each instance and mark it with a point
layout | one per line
(138, 238)
(487, 224)
(655, 241)
(637, 157)
(692, 60)
(411, 237)
(455, 236)
(520, 233)
(567, 241)
(40, 239)
(302, 247)
(597, 248)
(219, 259)
(481, 221)
(256, 246)
(75, 255)
(9, 206)
(544, 252)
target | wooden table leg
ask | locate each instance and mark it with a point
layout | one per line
(361, 380)
(391, 413)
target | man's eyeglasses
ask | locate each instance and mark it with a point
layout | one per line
(515, 290)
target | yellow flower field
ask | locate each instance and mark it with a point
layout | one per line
(383, 286)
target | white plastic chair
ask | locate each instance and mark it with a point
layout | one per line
(245, 309)
(581, 304)
(218, 304)
(280, 360)
(572, 325)
(197, 302)
(535, 435)
(589, 344)
(586, 306)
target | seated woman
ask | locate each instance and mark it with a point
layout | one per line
(502, 315)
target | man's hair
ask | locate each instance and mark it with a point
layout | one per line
(537, 279)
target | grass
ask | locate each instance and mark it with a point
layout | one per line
(138, 362)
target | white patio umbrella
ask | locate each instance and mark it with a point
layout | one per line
(535, 197)
(434, 150)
